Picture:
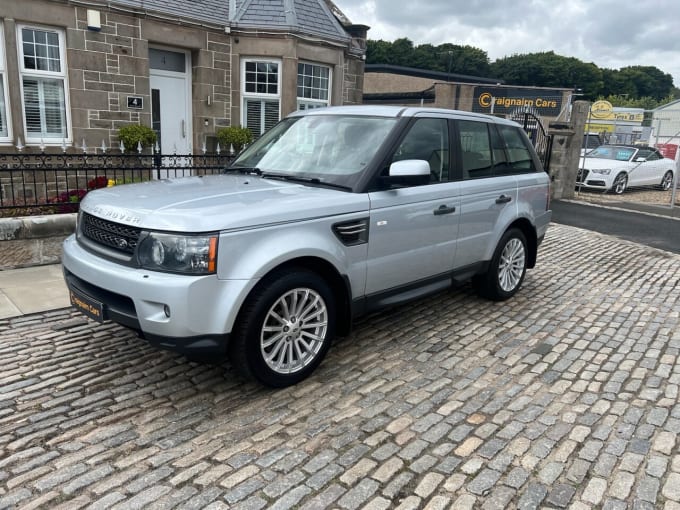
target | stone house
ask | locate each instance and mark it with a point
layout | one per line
(74, 71)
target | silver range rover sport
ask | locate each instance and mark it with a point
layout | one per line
(331, 214)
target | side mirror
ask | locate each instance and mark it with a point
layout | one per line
(639, 160)
(410, 168)
(408, 172)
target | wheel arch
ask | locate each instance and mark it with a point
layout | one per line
(525, 226)
(338, 283)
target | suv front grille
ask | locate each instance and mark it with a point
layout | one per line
(121, 238)
(582, 174)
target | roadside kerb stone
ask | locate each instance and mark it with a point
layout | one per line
(563, 397)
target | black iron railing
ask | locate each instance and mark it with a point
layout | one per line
(55, 183)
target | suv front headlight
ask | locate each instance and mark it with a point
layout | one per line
(183, 254)
(603, 171)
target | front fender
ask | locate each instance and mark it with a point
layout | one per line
(252, 254)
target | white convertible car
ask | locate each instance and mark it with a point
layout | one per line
(617, 167)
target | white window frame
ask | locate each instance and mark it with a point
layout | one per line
(62, 75)
(306, 103)
(4, 95)
(262, 96)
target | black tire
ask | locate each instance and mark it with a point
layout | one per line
(667, 181)
(620, 184)
(271, 343)
(507, 268)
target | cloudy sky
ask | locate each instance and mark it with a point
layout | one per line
(610, 33)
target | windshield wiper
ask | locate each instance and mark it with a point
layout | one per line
(306, 180)
(243, 170)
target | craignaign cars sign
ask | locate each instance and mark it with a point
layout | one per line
(507, 99)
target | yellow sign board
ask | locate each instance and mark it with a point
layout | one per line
(592, 127)
(603, 110)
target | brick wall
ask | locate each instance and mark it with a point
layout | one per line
(375, 83)
(354, 81)
(107, 66)
(104, 68)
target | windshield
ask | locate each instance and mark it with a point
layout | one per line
(617, 153)
(330, 148)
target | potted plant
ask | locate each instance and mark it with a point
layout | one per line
(234, 136)
(134, 134)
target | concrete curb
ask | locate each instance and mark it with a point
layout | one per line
(33, 240)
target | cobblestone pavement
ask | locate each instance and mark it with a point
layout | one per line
(565, 396)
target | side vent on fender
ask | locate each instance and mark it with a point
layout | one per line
(352, 232)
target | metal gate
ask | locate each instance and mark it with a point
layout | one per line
(534, 129)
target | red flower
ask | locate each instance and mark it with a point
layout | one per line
(100, 181)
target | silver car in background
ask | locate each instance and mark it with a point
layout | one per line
(331, 214)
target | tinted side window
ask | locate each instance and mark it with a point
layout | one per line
(500, 159)
(642, 154)
(654, 156)
(518, 149)
(427, 139)
(475, 147)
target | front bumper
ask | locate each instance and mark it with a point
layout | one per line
(592, 180)
(189, 314)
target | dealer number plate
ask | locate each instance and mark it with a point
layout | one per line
(90, 307)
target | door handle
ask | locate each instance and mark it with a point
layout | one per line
(443, 209)
(503, 199)
(183, 127)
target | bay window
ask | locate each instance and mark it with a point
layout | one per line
(261, 94)
(5, 134)
(313, 86)
(43, 83)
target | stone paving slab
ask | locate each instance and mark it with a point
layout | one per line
(565, 396)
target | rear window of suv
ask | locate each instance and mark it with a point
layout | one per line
(517, 147)
(489, 150)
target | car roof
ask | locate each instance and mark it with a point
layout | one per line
(397, 112)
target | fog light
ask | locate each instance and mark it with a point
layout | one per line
(166, 310)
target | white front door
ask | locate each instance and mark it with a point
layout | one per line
(170, 84)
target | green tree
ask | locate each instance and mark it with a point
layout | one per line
(463, 60)
(627, 101)
(548, 69)
(446, 57)
(616, 84)
(401, 53)
(425, 57)
(648, 81)
(378, 52)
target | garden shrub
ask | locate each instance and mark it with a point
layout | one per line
(133, 134)
(235, 136)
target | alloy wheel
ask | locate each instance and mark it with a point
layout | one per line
(511, 265)
(667, 181)
(294, 330)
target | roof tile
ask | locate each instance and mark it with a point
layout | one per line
(306, 16)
